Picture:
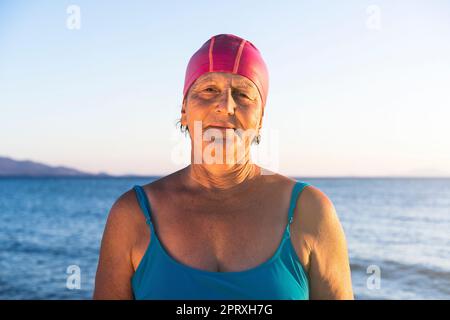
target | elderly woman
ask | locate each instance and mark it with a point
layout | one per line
(223, 227)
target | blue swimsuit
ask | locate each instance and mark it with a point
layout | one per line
(160, 276)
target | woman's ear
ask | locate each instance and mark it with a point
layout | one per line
(183, 113)
(261, 119)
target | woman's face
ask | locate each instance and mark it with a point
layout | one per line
(219, 98)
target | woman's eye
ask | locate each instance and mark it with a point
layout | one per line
(243, 95)
(209, 90)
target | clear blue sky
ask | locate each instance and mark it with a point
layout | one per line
(346, 98)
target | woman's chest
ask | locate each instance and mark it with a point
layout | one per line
(219, 236)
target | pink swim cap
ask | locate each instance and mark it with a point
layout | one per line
(228, 53)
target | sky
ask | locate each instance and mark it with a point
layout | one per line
(357, 88)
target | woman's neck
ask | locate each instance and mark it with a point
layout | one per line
(223, 177)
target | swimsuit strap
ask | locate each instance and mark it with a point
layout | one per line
(296, 190)
(144, 204)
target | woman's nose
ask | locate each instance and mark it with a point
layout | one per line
(226, 103)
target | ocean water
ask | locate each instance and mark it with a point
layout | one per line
(398, 234)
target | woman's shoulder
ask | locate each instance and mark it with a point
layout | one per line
(312, 205)
(311, 198)
(164, 184)
(315, 203)
(314, 211)
(126, 211)
(127, 203)
(274, 178)
(315, 214)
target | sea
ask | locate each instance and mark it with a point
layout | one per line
(397, 232)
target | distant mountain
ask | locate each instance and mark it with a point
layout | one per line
(11, 167)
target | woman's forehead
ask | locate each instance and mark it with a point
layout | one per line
(218, 77)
